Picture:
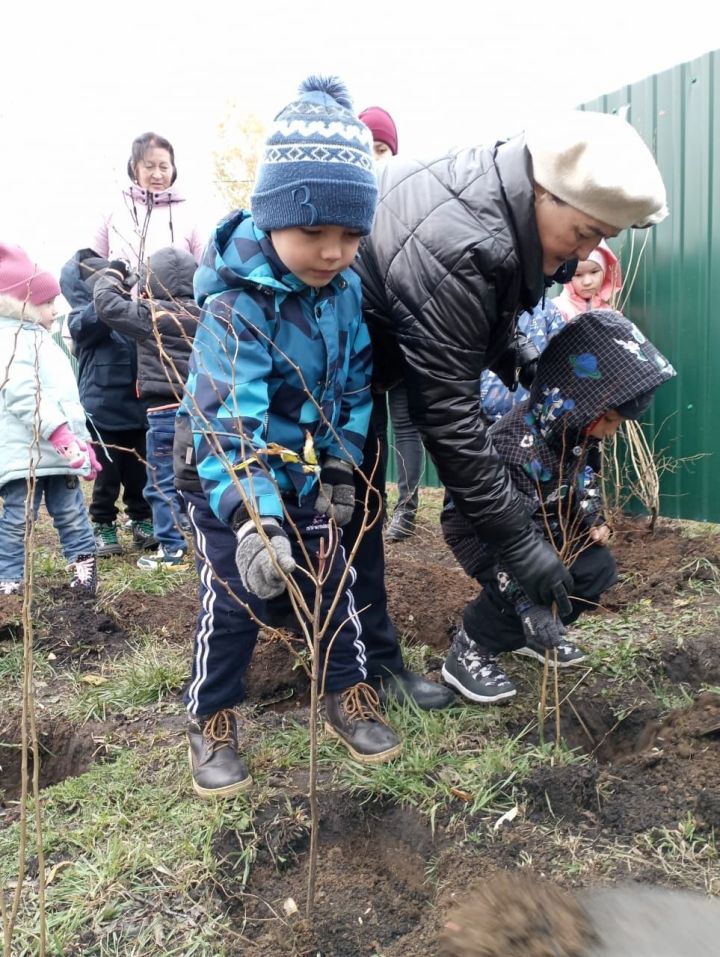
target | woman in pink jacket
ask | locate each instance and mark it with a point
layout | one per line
(595, 285)
(151, 214)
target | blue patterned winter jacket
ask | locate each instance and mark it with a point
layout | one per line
(273, 359)
(539, 325)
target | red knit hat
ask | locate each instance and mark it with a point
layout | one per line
(381, 125)
(22, 279)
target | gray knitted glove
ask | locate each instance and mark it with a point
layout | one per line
(258, 562)
(540, 627)
(336, 497)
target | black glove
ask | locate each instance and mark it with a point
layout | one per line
(540, 626)
(91, 267)
(336, 497)
(263, 566)
(537, 568)
(127, 277)
(527, 355)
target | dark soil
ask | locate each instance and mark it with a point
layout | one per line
(75, 630)
(387, 876)
(648, 773)
(427, 591)
(170, 617)
(65, 751)
(385, 850)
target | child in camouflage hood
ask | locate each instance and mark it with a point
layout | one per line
(596, 372)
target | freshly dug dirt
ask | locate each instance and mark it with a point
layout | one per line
(389, 878)
(517, 915)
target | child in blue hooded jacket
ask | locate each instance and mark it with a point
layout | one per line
(281, 358)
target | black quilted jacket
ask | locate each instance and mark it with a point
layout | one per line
(453, 256)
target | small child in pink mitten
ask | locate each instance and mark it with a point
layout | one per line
(79, 453)
(45, 440)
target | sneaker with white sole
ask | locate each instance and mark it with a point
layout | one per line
(568, 654)
(84, 570)
(143, 535)
(475, 672)
(163, 559)
(402, 526)
(106, 539)
(10, 587)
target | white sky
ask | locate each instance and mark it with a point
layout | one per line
(80, 80)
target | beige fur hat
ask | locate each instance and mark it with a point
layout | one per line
(599, 164)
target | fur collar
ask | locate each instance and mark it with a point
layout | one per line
(11, 308)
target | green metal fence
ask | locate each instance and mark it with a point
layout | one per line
(674, 272)
(675, 298)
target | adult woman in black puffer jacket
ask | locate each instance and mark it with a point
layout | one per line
(459, 246)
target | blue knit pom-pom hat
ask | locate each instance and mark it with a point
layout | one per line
(317, 168)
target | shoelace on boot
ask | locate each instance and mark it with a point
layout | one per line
(107, 533)
(361, 703)
(84, 569)
(219, 729)
(482, 666)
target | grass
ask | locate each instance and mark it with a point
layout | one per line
(117, 578)
(628, 647)
(682, 852)
(150, 672)
(452, 761)
(11, 664)
(133, 859)
(131, 854)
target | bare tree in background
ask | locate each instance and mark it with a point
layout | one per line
(242, 136)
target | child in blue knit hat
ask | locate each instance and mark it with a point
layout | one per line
(281, 354)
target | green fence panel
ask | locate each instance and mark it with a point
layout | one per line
(676, 288)
(673, 290)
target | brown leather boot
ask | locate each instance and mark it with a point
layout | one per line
(218, 769)
(352, 716)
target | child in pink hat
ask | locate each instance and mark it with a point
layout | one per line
(382, 126)
(595, 285)
(45, 441)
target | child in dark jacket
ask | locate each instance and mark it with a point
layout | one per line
(116, 417)
(596, 372)
(282, 354)
(162, 322)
